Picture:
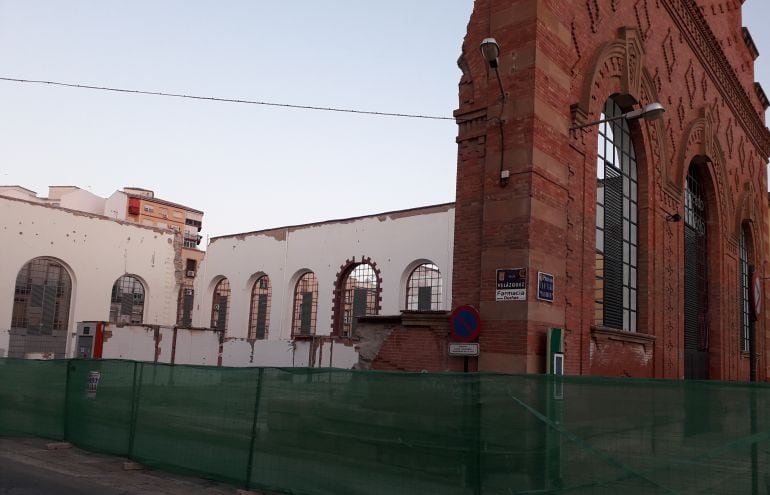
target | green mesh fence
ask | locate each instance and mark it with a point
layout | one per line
(326, 431)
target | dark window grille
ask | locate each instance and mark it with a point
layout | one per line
(360, 297)
(617, 225)
(744, 295)
(423, 288)
(220, 306)
(42, 297)
(305, 305)
(259, 316)
(696, 333)
(127, 301)
(185, 304)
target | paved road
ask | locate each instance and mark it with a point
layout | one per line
(17, 478)
(27, 467)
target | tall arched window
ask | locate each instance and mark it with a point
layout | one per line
(220, 306)
(696, 289)
(617, 224)
(357, 297)
(744, 291)
(41, 305)
(305, 305)
(259, 316)
(41, 301)
(127, 301)
(423, 288)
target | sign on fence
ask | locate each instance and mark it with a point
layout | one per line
(93, 383)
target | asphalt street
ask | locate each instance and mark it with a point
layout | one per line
(28, 467)
(17, 478)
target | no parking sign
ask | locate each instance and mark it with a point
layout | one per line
(465, 323)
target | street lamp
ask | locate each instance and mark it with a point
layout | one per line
(652, 111)
(491, 51)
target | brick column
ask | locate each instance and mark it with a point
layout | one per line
(523, 224)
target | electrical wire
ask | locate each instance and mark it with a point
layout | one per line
(226, 100)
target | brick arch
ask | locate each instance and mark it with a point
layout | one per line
(745, 208)
(616, 67)
(616, 70)
(701, 145)
(720, 299)
(746, 215)
(339, 281)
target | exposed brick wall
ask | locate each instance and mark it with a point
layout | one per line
(414, 341)
(560, 61)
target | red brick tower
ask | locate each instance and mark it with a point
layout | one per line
(560, 62)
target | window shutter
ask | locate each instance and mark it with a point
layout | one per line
(261, 316)
(48, 317)
(36, 299)
(360, 296)
(187, 307)
(613, 248)
(222, 313)
(424, 298)
(306, 313)
(126, 305)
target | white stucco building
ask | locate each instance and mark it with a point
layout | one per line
(287, 296)
(61, 267)
(274, 287)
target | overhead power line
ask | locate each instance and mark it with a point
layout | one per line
(226, 100)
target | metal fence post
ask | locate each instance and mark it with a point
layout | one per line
(65, 429)
(254, 428)
(136, 394)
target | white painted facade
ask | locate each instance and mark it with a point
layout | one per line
(201, 347)
(396, 243)
(95, 251)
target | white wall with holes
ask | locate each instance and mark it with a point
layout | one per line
(95, 251)
(395, 242)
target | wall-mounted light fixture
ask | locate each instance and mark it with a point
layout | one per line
(673, 217)
(491, 53)
(652, 111)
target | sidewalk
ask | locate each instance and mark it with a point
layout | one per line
(28, 467)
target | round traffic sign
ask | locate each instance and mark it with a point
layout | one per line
(465, 323)
(756, 292)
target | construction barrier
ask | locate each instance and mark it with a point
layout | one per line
(341, 432)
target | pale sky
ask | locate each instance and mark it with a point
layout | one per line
(247, 167)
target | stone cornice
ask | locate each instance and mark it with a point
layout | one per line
(687, 15)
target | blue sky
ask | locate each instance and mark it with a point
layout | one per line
(248, 167)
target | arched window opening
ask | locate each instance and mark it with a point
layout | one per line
(305, 305)
(696, 300)
(41, 301)
(185, 304)
(744, 291)
(617, 224)
(127, 301)
(423, 288)
(220, 306)
(259, 316)
(358, 297)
